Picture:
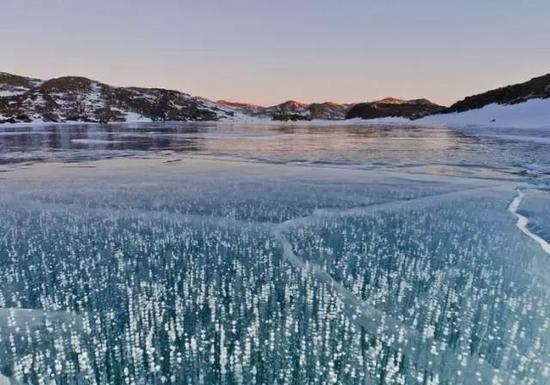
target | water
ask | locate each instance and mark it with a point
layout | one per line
(273, 254)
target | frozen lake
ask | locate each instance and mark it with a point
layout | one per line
(274, 254)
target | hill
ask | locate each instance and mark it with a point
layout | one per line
(78, 99)
(392, 107)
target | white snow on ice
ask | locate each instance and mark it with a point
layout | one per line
(523, 222)
(135, 117)
(534, 113)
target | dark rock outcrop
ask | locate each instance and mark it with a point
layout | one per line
(535, 88)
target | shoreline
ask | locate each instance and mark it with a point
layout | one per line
(435, 121)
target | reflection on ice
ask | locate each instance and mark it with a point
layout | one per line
(344, 144)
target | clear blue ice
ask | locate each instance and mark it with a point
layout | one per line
(274, 254)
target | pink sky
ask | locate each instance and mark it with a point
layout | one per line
(267, 52)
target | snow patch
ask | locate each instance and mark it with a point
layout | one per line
(534, 113)
(132, 117)
(5, 93)
(523, 222)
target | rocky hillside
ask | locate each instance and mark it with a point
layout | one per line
(329, 110)
(12, 85)
(83, 100)
(78, 99)
(391, 107)
(244, 108)
(536, 88)
(292, 110)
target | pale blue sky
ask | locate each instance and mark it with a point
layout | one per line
(269, 51)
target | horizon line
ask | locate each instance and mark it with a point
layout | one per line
(224, 100)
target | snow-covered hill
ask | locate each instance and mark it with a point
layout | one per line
(536, 88)
(80, 99)
(12, 85)
(519, 105)
(533, 113)
(522, 105)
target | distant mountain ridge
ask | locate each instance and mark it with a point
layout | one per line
(392, 107)
(292, 110)
(491, 102)
(79, 99)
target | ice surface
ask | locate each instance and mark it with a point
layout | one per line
(367, 260)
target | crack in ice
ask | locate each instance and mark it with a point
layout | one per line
(389, 330)
(522, 222)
